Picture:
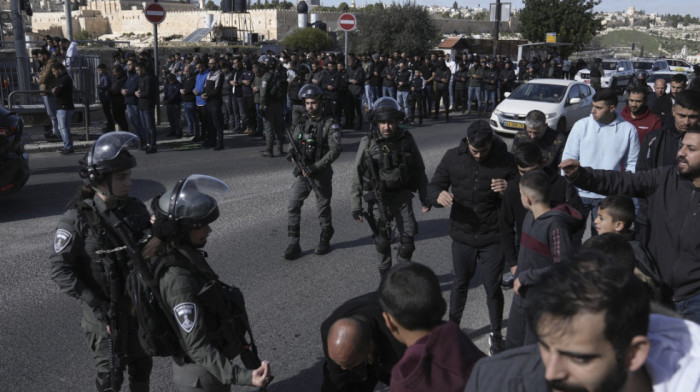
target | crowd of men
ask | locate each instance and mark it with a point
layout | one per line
(604, 314)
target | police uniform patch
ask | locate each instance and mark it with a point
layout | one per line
(186, 315)
(61, 239)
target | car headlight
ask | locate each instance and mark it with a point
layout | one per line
(551, 115)
(497, 112)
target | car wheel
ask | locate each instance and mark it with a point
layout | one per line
(561, 126)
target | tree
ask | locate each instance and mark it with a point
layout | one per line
(573, 20)
(406, 28)
(308, 39)
(211, 6)
(455, 6)
(343, 7)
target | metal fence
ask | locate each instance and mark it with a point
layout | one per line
(82, 69)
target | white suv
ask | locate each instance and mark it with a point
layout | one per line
(617, 74)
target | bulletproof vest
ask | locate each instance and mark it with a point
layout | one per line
(311, 139)
(394, 159)
(97, 238)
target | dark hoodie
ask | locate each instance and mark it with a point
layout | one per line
(545, 241)
(440, 361)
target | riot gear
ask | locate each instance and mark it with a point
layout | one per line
(310, 90)
(109, 155)
(386, 108)
(192, 201)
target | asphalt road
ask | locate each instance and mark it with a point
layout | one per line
(43, 347)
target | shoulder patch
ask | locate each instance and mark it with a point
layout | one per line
(61, 239)
(336, 137)
(186, 315)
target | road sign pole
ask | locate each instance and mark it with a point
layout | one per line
(155, 64)
(346, 50)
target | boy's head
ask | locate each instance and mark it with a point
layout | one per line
(615, 247)
(615, 214)
(534, 188)
(411, 298)
(528, 157)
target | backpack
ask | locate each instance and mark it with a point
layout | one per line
(278, 86)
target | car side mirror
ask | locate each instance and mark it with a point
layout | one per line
(506, 94)
(574, 101)
(621, 69)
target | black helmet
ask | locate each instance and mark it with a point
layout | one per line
(641, 74)
(310, 90)
(386, 108)
(269, 61)
(192, 201)
(109, 155)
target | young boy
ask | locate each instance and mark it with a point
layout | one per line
(616, 214)
(439, 356)
(545, 241)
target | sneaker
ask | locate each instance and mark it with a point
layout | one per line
(508, 279)
(292, 252)
(496, 344)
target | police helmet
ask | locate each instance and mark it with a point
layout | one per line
(386, 108)
(641, 74)
(109, 155)
(269, 61)
(193, 201)
(310, 90)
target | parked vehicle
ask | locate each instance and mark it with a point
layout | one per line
(617, 74)
(562, 101)
(649, 65)
(666, 75)
(679, 65)
(14, 161)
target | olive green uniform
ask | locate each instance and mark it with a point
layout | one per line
(204, 365)
(399, 165)
(80, 272)
(319, 155)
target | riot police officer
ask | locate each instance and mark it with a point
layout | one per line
(86, 265)
(389, 168)
(317, 141)
(192, 290)
(272, 105)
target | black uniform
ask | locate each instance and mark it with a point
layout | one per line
(356, 83)
(442, 83)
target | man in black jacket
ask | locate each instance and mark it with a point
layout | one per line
(674, 201)
(442, 89)
(147, 94)
(213, 88)
(63, 100)
(477, 171)
(356, 83)
(663, 107)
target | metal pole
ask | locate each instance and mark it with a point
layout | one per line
(498, 26)
(346, 49)
(69, 19)
(155, 64)
(20, 46)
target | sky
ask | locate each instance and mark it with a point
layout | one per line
(680, 7)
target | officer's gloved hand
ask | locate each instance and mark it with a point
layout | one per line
(100, 308)
(164, 228)
(311, 170)
(357, 215)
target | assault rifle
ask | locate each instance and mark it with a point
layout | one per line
(296, 156)
(376, 196)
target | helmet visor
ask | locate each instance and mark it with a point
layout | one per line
(109, 145)
(197, 197)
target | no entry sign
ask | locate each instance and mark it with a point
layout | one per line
(155, 13)
(347, 22)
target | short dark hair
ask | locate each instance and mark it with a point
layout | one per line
(527, 154)
(620, 208)
(592, 283)
(102, 66)
(608, 95)
(411, 294)
(58, 65)
(616, 247)
(640, 90)
(679, 78)
(538, 182)
(535, 119)
(689, 99)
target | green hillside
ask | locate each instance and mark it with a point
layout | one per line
(625, 38)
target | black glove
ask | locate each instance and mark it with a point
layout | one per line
(311, 170)
(356, 214)
(100, 308)
(164, 228)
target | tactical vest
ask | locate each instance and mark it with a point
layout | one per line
(311, 138)
(394, 159)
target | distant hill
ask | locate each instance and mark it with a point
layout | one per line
(625, 39)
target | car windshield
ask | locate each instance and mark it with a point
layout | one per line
(539, 92)
(642, 65)
(652, 78)
(609, 65)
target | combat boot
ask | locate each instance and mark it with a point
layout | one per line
(324, 243)
(266, 153)
(293, 251)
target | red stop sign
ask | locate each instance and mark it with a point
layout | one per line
(347, 22)
(155, 13)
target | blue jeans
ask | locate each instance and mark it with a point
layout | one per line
(148, 118)
(239, 114)
(191, 116)
(388, 91)
(135, 118)
(474, 92)
(376, 93)
(369, 96)
(63, 119)
(489, 95)
(451, 90)
(51, 111)
(590, 206)
(689, 308)
(403, 101)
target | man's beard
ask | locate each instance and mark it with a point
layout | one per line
(613, 382)
(691, 172)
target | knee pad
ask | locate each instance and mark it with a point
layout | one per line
(406, 248)
(382, 244)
